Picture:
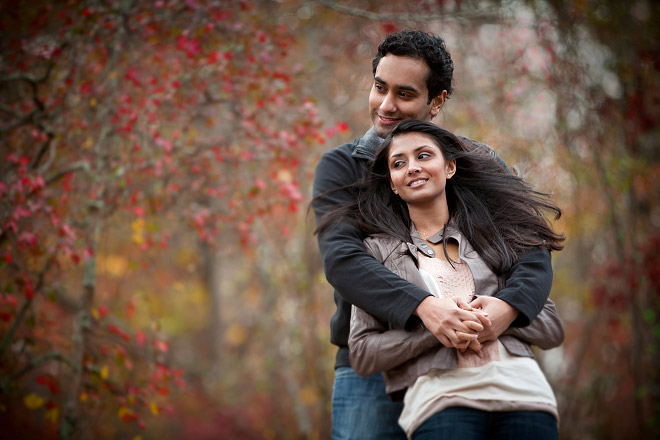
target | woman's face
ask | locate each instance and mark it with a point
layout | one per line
(418, 170)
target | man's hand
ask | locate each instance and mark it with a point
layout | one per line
(452, 321)
(500, 313)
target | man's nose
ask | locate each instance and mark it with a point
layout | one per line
(389, 104)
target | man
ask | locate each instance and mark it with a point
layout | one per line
(412, 79)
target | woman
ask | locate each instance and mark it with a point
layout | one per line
(452, 219)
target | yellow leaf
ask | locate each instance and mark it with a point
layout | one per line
(83, 397)
(139, 227)
(95, 313)
(154, 408)
(137, 437)
(308, 395)
(112, 264)
(32, 401)
(236, 334)
(124, 411)
(92, 102)
(104, 372)
(52, 415)
(88, 143)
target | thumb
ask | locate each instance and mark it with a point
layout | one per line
(461, 303)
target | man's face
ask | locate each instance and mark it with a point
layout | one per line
(399, 92)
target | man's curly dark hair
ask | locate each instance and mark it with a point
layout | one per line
(428, 47)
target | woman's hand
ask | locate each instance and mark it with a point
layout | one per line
(471, 340)
(452, 321)
(501, 313)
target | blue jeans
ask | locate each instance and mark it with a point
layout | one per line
(361, 410)
(460, 423)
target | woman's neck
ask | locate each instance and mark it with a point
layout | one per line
(429, 219)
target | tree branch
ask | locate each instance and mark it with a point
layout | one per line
(52, 356)
(6, 340)
(484, 13)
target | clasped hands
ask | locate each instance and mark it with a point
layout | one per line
(462, 325)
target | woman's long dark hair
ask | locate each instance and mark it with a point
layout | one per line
(497, 211)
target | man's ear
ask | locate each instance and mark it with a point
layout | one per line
(437, 103)
(450, 168)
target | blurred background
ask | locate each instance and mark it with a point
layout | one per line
(158, 273)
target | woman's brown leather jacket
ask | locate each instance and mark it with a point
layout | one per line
(402, 355)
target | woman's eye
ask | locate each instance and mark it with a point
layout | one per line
(397, 164)
(424, 155)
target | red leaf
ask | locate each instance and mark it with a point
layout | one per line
(28, 289)
(161, 346)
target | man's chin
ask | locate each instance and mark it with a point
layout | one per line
(381, 131)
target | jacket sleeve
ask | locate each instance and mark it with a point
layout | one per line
(528, 285)
(546, 331)
(356, 275)
(529, 281)
(374, 348)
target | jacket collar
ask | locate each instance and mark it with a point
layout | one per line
(367, 145)
(420, 245)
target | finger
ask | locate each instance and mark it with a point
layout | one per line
(466, 336)
(483, 317)
(465, 315)
(473, 325)
(478, 302)
(444, 340)
(463, 304)
(462, 347)
(476, 347)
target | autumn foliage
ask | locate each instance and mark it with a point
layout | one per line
(158, 276)
(158, 115)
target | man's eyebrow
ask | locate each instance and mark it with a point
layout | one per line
(401, 87)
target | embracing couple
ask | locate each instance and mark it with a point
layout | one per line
(440, 260)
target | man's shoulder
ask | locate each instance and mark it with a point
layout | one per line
(359, 149)
(340, 158)
(343, 150)
(485, 147)
(337, 167)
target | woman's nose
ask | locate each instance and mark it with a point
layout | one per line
(413, 168)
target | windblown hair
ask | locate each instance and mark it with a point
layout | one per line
(427, 47)
(495, 210)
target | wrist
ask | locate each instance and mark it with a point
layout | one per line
(423, 306)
